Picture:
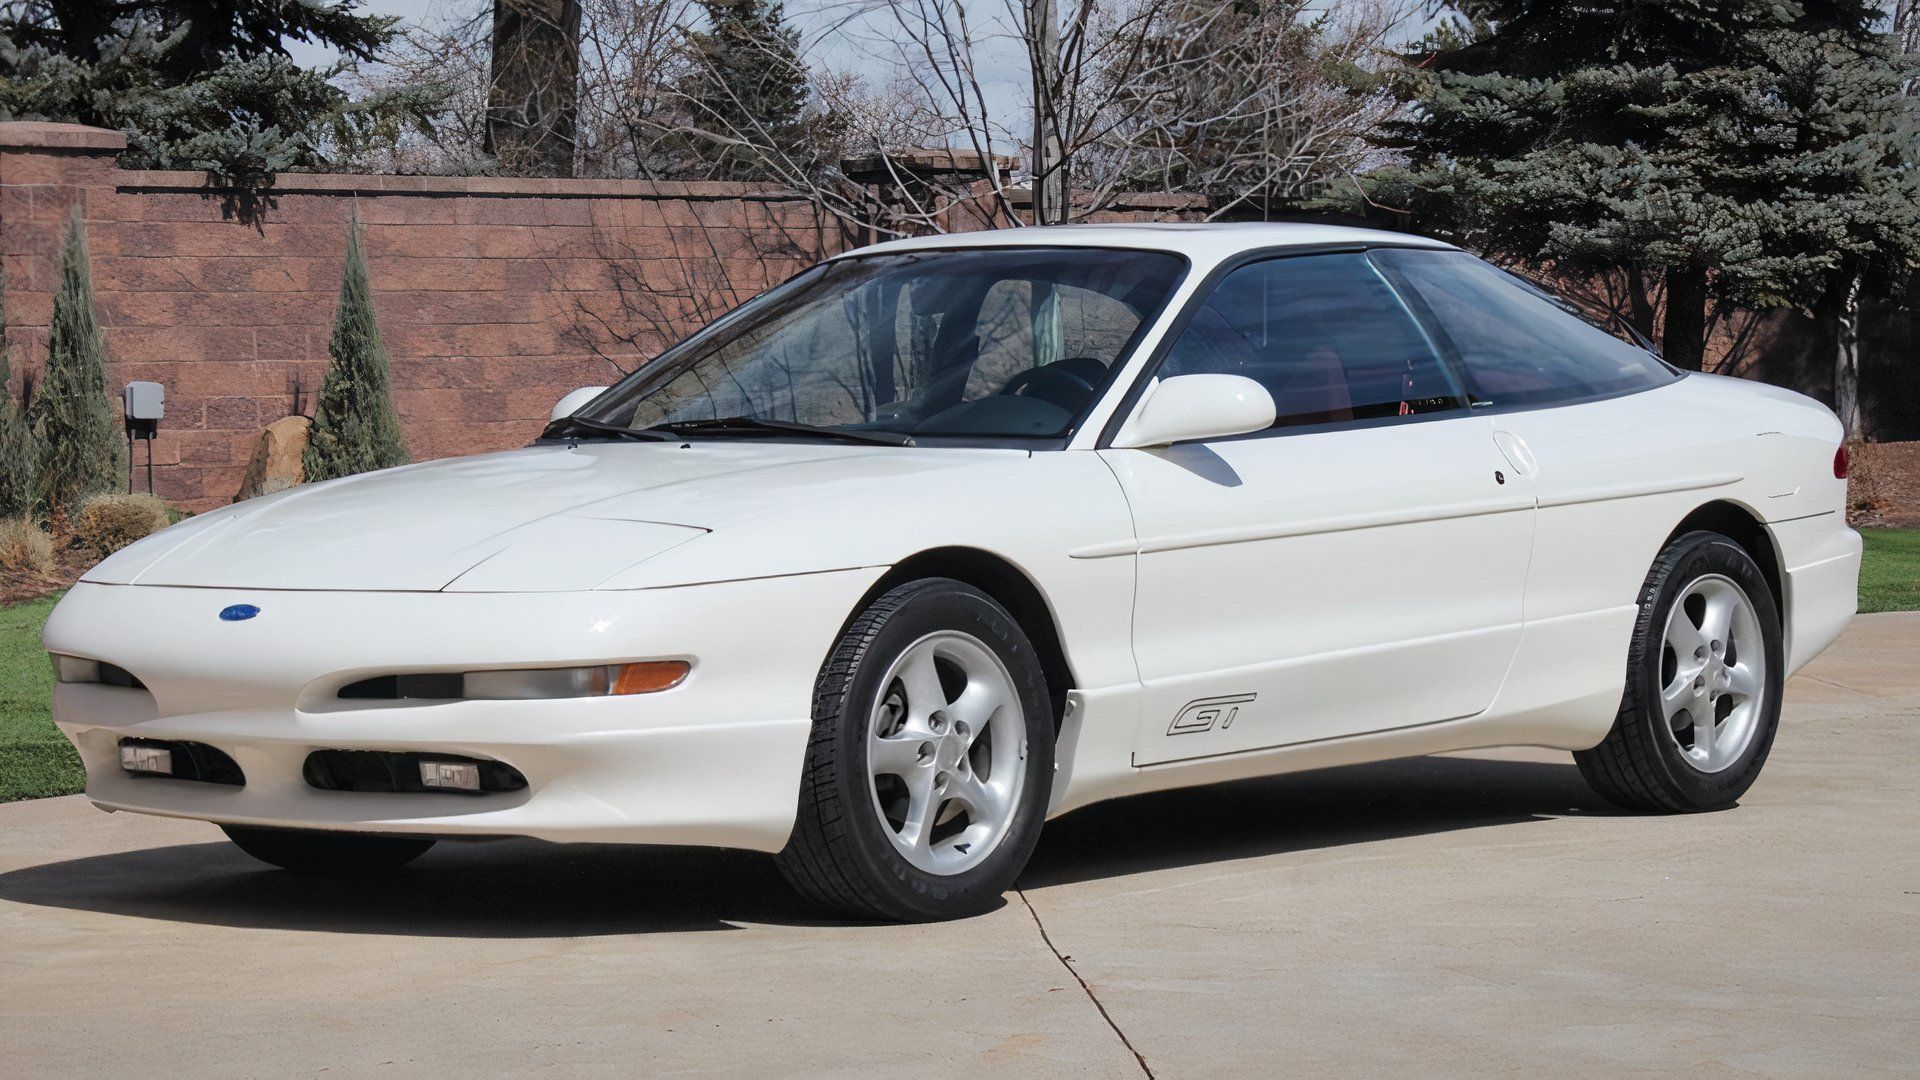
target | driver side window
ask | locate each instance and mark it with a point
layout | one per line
(1327, 337)
(1027, 324)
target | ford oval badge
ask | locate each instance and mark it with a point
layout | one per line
(238, 613)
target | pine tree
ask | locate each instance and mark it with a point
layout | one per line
(1666, 141)
(746, 84)
(206, 84)
(1851, 199)
(80, 452)
(355, 428)
(211, 32)
(19, 454)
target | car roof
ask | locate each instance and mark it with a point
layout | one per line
(1202, 242)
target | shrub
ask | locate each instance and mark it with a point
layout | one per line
(19, 454)
(355, 428)
(25, 548)
(80, 452)
(107, 523)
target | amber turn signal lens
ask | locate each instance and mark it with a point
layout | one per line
(649, 677)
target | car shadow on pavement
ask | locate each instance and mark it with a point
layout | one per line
(524, 888)
(1355, 804)
(506, 888)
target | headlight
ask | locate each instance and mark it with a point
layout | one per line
(526, 684)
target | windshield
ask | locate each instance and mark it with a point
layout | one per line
(981, 343)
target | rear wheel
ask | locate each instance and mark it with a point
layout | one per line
(326, 852)
(928, 772)
(1703, 684)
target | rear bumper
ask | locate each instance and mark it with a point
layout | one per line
(713, 762)
(1822, 582)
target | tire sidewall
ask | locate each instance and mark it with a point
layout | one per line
(1690, 558)
(934, 607)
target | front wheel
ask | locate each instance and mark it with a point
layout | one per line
(1703, 684)
(929, 769)
(326, 852)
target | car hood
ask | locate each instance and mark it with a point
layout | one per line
(546, 518)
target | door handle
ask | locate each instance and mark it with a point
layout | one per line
(1517, 452)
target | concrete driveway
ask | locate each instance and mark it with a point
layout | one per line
(1462, 916)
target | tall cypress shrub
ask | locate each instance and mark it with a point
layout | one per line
(19, 454)
(355, 428)
(80, 452)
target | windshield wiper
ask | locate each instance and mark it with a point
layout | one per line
(575, 427)
(749, 425)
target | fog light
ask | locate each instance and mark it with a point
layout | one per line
(146, 759)
(450, 775)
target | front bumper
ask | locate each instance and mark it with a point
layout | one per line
(714, 762)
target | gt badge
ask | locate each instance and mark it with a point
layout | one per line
(1204, 714)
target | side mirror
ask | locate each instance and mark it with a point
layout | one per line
(571, 404)
(1184, 408)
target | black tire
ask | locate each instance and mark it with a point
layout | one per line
(326, 852)
(839, 858)
(1639, 765)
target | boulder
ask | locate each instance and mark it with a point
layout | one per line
(276, 465)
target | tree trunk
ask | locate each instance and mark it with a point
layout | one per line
(1683, 339)
(1639, 303)
(1049, 149)
(532, 100)
(1845, 330)
(83, 23)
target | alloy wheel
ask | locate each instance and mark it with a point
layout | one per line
(1713, 673)
(946, 745)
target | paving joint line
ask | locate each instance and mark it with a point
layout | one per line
(1067, 963)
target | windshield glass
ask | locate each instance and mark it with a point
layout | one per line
(987, 342)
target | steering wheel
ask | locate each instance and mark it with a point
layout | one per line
(1069, 390)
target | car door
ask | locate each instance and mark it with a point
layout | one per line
(1615, 450)
(1356, 568)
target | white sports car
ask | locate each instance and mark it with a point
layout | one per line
(947, 536)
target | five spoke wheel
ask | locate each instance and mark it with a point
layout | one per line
(1713, 672)
(945, 747)
(1702, 700)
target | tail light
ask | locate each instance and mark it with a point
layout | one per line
(1840, 462)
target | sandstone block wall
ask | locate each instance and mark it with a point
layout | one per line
(495, 296)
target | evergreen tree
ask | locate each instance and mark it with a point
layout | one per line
(355, 428)
(19, 454)
(210, 30)
(745, 94)
(1851, 197)
(80, 450)
(1712, 152)
(205, 84)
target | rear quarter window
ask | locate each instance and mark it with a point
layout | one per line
(1516, 347)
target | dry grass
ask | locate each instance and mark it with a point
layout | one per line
(25, 548)
(107, 523)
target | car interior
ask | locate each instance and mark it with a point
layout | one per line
(1330, 347)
